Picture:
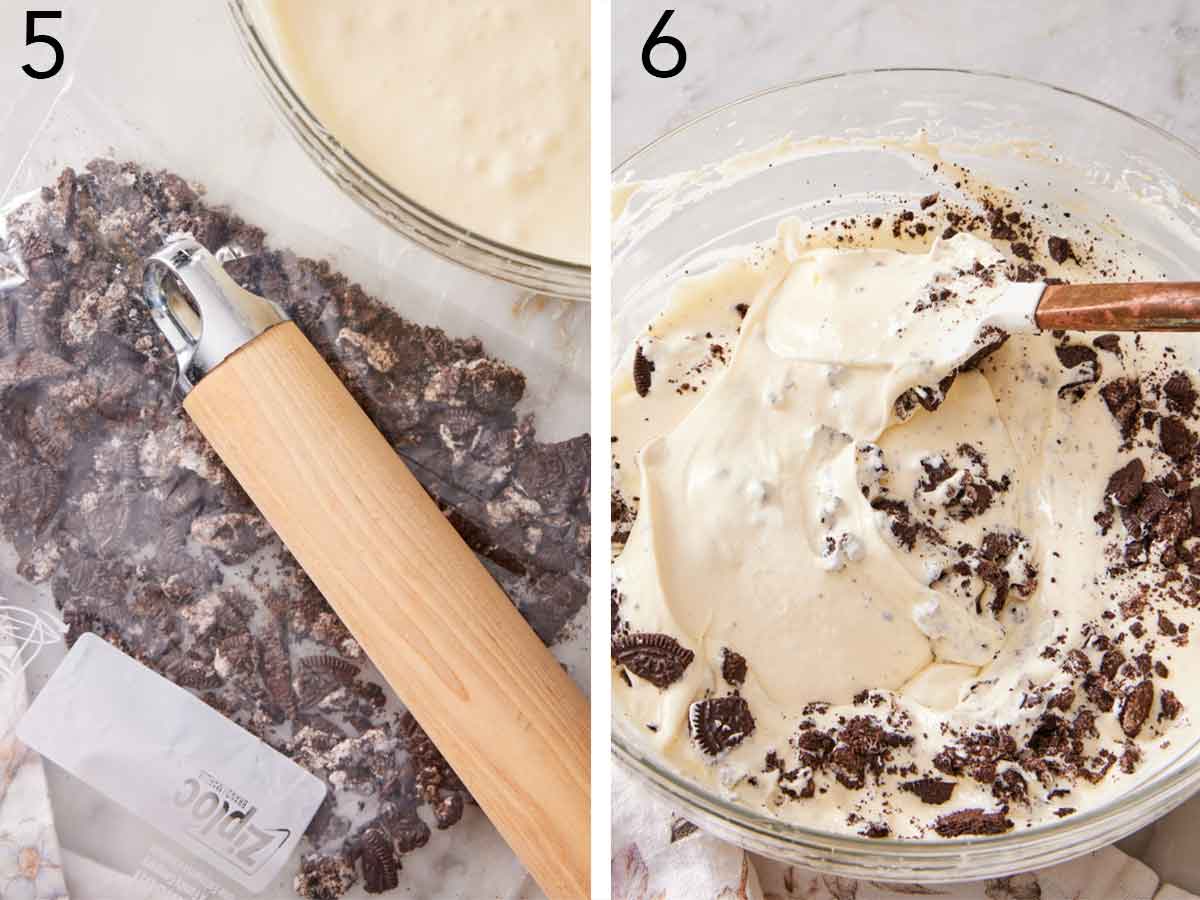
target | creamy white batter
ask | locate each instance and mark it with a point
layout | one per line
(476, 110)
(765, 455)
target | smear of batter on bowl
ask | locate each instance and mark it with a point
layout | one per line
(477, 111)
(884, 570)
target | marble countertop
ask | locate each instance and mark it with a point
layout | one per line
(1144, 58)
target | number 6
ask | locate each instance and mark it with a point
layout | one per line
(656, 38)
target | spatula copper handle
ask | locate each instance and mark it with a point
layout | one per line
(494, 700)
(1142, 306)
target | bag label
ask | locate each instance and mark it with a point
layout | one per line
(169, 758)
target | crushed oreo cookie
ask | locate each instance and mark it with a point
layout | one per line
(733, 667)
(658, 658)
(1059, 249)
(1125, 484)
(1135, 707)
(972, 821)
(111, 496)
(1123, 397)
(681, 828)
(1084, 364)
(930, 397)
(643, 371)
(720, 723)
(933, 791)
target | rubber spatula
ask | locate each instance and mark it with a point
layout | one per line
(1134, 306)
(450, 643)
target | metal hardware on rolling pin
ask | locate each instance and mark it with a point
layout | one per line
(203, 313)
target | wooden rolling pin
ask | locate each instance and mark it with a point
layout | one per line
(494, 700)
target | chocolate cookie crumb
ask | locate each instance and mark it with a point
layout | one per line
(324, 877)
(1010, 787)
(1059, 248)
(1072, 355)
(733, 667)
(1169, 705)
(1181, 396)
(381, 869)
(720, 723)
(1125, 484)
(931, 790)
(643, 370)
(681, 828)
(1177, 440)
(1123, 397)
(657, 658)
(972, 821)
(1135, 707)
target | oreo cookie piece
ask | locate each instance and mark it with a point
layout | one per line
(1125, 484)
(1123, 397)
(719, 724)
(1181, 396)
(643, 369)
(933, 791)
(972, 821)
(1135, 707)
(1170, 705)
(1059, 248)
(658, 658)
(323, 877)
(381, 869)
(733, 667)
(1178, 441)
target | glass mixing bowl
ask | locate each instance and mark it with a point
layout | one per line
(554, 277)
(680, 199)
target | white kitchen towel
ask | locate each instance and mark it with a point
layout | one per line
(657, 855)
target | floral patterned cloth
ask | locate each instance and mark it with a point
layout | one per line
(30, 859)
(659, 856)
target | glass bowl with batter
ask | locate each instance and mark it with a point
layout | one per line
(553, 262)
(838, 149)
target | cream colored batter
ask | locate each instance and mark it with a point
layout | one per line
(476, 110)
(904, 585)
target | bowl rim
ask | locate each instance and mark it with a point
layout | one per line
(985, 74)
(1165, 783)
(560, 277)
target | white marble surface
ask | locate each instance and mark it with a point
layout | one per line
(1142, 57)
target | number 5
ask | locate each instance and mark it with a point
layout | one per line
(32, 37)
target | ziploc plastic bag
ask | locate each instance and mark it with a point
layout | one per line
(116, 515)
